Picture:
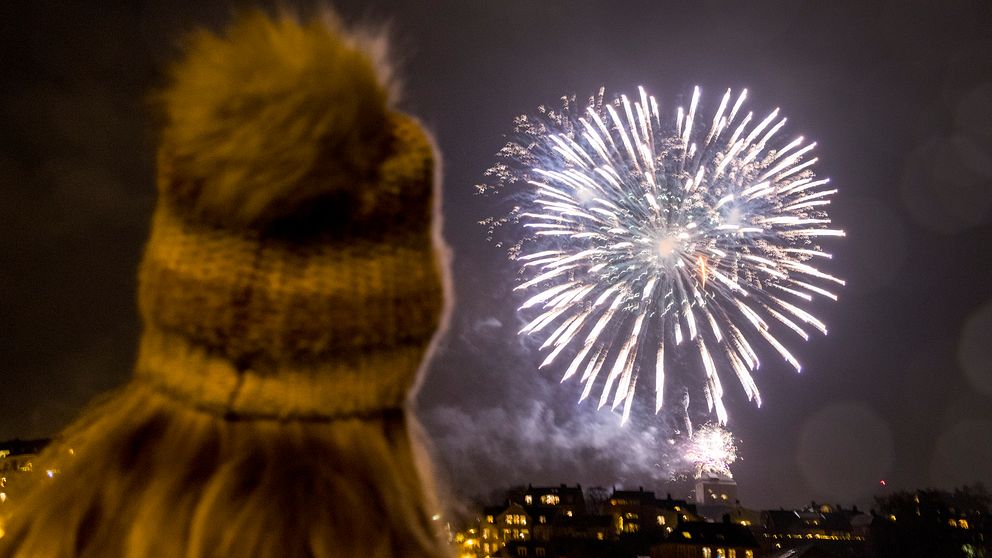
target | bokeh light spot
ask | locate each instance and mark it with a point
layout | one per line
(963, 454)
(975, 349)
(844, 448)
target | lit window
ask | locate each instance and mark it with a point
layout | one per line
(707, 553)
(528, 499)
(731, 553)
(661, 520)
(542, 519)
(750, 553)
(963, 523)
(600, 536)
(539, 551)
(521, 551)
(687, 534)
(723, 497)
(568, 513)
(489, 519)
(550, 499)
(721, 553)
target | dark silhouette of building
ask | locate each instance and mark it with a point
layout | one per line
(835, 529)
(933, 524)
(701, 539)
(16, 465)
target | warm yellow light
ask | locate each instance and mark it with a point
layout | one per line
(963, 523)
(892, 517)
(687, 534)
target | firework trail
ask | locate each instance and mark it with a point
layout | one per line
(643, 239)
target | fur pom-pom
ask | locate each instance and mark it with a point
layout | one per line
(272, 114)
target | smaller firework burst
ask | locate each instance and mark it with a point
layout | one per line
(711, 450)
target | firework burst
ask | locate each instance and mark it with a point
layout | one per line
(644, 237)
(711, 451)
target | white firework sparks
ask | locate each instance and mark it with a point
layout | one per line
(711, 451)
(644, 239)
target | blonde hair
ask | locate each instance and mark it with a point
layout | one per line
(273, 426)
(148, 476)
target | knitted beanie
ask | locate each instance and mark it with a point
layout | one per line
(290, 271)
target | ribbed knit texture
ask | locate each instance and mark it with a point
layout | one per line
(314, 320)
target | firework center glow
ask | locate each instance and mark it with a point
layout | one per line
(667, 246)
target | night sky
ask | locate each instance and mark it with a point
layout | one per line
(898, 96)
